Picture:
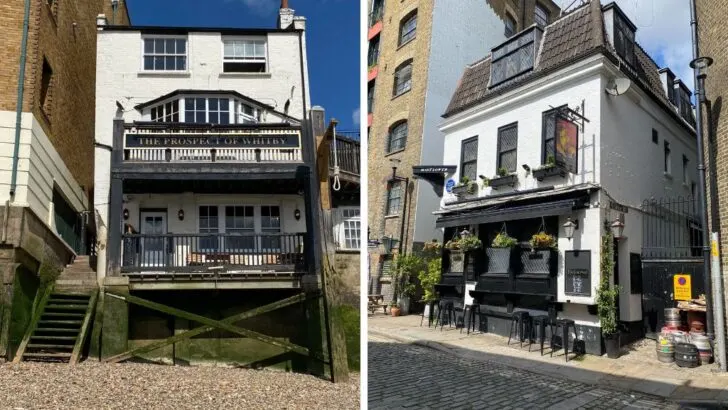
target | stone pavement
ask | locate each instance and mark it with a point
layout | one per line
(637, 370)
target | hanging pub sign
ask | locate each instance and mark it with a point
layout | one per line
(211, 140)
(567, 144)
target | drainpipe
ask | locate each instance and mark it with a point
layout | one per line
(18, 117)
(699, 99)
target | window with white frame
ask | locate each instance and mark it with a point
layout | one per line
(247, 114)
(208, 224)
(200, 110)
(165, 54)
(270, 223)
(167, 112)
(244, 56)
(348, 228)
(240, 220)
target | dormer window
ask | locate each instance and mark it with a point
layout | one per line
(207, 110)
(511, 25)
(205, 107)
(168, 112)
(624, 39)
(248, 114)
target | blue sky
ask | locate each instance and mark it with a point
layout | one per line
(332, 27)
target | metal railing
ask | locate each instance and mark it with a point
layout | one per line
(228, 252)
(671, 228)
(348, 154)
(212, 155)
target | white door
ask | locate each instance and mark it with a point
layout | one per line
(154, 251)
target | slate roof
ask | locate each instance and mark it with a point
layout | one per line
(573, 37)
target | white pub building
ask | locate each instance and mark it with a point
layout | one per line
(205, 186)
(571, 130)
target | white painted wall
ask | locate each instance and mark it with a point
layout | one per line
(615, 151)
(190, 203)
(40, 167)
(477, 29)
(119, 77)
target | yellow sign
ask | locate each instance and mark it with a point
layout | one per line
(682, 287)
(714, 248)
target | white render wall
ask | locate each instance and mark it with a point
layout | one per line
(40, 167)
(190, 203)
(615, 151)
(119, 77)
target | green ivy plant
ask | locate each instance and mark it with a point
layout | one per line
(502, 240)
(607, 294)
(472, 186)
(550, 163)
(503, 171)
(429, 278)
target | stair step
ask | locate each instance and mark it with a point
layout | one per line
(57, 330)
(77, 301)
(60, 322)
(63, 314)
(48, 346)
(48, 355)
(53, 337)
(80, 308)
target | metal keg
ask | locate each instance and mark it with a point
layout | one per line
(686, 355)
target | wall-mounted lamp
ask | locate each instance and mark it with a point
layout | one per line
(527, 168)
(181, 214)
(297, 214)
(125, 214)
(617, 228)
(569, 228)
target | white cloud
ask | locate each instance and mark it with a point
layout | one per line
(356, 116)
(663, 30)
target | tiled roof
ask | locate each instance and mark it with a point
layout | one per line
(578, 34)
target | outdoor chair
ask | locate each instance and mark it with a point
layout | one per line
(519, 323)
(538, 329)
(564, 325)
(451, 308)
(431, 316)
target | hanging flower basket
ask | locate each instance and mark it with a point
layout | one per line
(500, 254)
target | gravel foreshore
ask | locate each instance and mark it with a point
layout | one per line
(92, 385)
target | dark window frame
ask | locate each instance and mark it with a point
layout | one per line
(401, 87)
(370, 96)
(394, 186)
(462, 158)
(544, 137)
(499, 154)
(410, 35)
(667, 161)
(655, 136)
(512, 29)
(537, 18)
(624, 45)
(391, 146)
(373, 51)
(685, 163)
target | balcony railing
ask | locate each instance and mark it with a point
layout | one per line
(347, 154)
(223, 253)
(145, 145)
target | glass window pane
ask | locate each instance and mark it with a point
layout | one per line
(181, 63)
(259, 49)
(200, 103)
(213, 103)
(148, 46)
(224, 104)
(189, 104)
(169, 63)
(249, 49)
(229, 49)
(200, 117)
(224, 118)
(181, 46)
(158, 46)
(169, 46)
(148, 63)
(214, 118)
(159, 63)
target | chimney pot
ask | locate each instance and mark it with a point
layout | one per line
(284, 4)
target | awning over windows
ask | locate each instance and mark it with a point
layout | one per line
(502, 213)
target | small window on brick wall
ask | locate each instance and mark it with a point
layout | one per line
(46, 88)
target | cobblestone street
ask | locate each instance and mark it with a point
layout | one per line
(410, 376)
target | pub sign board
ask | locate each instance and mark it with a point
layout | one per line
(577, 265)
(567, 144)
(289, 140)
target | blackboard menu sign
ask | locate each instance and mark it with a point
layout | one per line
(577, 265)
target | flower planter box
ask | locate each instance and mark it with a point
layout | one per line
(508, 180)
(500, 260)
(539, 261)
(464, 191)
(547, 172)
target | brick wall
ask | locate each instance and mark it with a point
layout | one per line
(64, 35)
(712, 15)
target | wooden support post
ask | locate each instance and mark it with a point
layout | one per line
(210, 322)
(115, 326)
(204, 329)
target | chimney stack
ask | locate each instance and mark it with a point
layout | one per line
(285, 16)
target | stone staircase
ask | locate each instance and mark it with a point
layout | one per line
(61, 322)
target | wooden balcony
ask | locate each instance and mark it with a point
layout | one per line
(229, 256)
(348, 155)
